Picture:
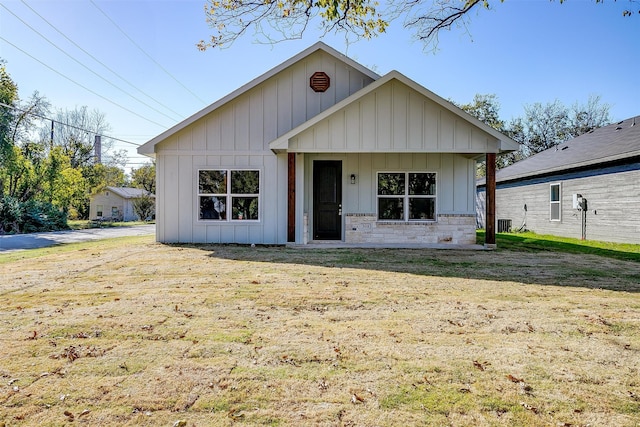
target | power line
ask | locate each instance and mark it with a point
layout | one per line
(83, 65)
(40, 116)
(148, 56)
(101, 63)
(81, 85)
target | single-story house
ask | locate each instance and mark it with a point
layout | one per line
(116, 203)
(587, 187)
(320, 148)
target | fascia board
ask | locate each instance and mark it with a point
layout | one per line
(505, 143)
(148, 147)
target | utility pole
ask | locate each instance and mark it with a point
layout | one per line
(97, 146)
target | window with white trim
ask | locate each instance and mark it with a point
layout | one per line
(554, 202)
(223, 189)
(406, 196)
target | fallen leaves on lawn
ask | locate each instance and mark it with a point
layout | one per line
(73, 353)
(514, 379)
(234, 414)
(355, 399)
(529, 407)
(481, 365)
(524, 387)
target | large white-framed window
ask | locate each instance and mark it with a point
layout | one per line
(406, 196)
(229, 195)
(555, 202)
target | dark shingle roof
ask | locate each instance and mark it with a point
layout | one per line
(129, 192)
(607, 144)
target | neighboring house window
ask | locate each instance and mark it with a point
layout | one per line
(114, 212)
(554, 202)
(99, 209)
(219, 189)
(407, 196)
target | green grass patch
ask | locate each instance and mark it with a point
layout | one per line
(531, 242)
(83, 224)
(442, 399)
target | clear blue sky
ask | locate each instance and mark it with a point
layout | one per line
(523, 51)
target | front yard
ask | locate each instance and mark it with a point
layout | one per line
(130, 332)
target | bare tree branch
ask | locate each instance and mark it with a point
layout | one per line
(277, 20)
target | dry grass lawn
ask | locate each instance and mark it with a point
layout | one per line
(130, 332)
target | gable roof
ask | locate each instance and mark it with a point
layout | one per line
(505, 143)
(129, 192)
(610, 143)
(148, 147)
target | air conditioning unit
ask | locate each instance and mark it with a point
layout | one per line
(504, 225)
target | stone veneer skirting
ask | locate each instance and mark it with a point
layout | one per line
(449, 228)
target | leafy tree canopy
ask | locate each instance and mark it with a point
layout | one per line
(277, 20)
(43, 173)
(543, 125)
(145, 177)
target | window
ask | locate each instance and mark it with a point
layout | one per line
(554, 202)
(406, 196)
(220, 189)
(99, 209)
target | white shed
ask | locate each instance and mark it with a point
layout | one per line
(321, 148)
(116, 203)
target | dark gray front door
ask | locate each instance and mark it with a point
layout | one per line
(327, 199)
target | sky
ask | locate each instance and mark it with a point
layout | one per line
(137, 62)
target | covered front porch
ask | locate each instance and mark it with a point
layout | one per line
(336, 199)
(393, 164)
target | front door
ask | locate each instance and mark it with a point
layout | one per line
(327, 200)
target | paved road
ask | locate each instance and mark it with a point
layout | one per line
(41, 240)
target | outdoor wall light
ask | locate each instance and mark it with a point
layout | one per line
(353, 178)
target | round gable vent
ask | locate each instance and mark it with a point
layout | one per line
(319, 81)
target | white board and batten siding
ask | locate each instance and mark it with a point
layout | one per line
(455, 174)
(235, 135)
(393, 118)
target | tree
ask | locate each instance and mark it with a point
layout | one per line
(486, 108)
(546, 126)
(144, 207)
(543, 125)
(39, 176)
(25, 117)
(145, 177)
(75, 131)
(277, 20)
(8, 96)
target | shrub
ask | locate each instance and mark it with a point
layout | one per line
(10, 215)
(30, 217)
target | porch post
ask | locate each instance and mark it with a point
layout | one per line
(490, 226)
(291, 197)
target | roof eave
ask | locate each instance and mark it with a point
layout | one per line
(505, 144)
(148, 148)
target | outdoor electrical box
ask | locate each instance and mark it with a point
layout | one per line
(576, 201)
(579, 202)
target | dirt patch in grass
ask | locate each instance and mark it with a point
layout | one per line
(140, 333)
